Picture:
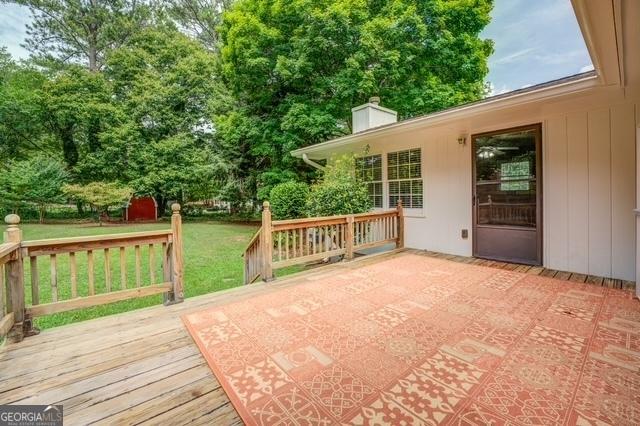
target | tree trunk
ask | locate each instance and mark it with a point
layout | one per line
(161, 204)
(42, 212)
(92, 52)
(69, 148)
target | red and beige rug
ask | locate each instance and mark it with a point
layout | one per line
(416, 340)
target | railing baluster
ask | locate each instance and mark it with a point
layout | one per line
(166, 273)
(123, 268)
(73, 275)
(334, 236)
(54, 278)
(286, 245)
(279, 238)
(90, 270)
(107, 270)
(301, 242)
(313, 242)
(327, 238)
(152, 264)
(2, 290)
(35, 281)
(138, 270)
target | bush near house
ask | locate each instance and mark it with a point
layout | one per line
(339, 191)
(288, 200)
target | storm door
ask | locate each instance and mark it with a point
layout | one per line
(507, 195)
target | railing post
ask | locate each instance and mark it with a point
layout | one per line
(15, 280)
(400, 239)
(177, 255)
(267, 243)
(349, 238)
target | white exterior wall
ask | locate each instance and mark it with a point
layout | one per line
(589, 181)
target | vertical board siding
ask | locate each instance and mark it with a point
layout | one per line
(555, 184)
(589, 165)
(599, 131)
(577, 193)
(623, 153)
(589, 192)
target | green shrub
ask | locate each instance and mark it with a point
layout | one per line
(339, 191)
(288, 200)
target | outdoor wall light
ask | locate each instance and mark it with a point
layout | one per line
(462, 140)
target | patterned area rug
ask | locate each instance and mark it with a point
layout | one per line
(416, 340)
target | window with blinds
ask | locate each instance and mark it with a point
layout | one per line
(405, 178)
(369, 170)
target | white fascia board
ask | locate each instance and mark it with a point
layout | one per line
(436, 118)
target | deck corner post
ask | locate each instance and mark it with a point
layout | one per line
(177, 256)
(349, 237)
(267, 243)
(400, 238)
(15, 280)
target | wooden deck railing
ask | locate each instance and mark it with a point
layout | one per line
(283, 243)
(253, 258)
(81, 271)
(9, 254)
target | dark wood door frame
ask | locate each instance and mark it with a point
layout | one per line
(539, 184)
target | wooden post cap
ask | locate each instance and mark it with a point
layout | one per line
(12, 219)
(266, 205)
(175, 207)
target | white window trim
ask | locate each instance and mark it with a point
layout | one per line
(381, 181)
(408, 212)
(411, 212)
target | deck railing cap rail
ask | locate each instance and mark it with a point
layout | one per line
(331, 218)
(94, 238)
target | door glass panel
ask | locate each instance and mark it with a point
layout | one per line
(506, 179)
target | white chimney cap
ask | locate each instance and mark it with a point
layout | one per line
(371, 114)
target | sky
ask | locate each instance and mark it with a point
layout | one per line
(534, 41)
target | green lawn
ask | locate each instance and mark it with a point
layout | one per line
(212, 262)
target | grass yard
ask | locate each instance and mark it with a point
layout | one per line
(212, 254)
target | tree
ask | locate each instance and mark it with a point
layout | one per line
(38, 180)
(339, 191)
(161, 141)
(100, 195)
(21, 127)
(77, 107)
(81, 31)
(200, 18)
(297, 68)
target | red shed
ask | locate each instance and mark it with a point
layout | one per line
(141, 208)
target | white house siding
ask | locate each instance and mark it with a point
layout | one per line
(589, 180)
(589, 166)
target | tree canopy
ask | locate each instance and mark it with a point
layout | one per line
(296, 68)
(81, 31)
(196, 99)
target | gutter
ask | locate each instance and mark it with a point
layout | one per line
(310, 162)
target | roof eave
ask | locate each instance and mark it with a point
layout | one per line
(519, 98)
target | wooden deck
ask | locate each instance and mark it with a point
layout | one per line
(142, 367)
(536, 270)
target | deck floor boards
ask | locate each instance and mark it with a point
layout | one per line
(142, 367)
